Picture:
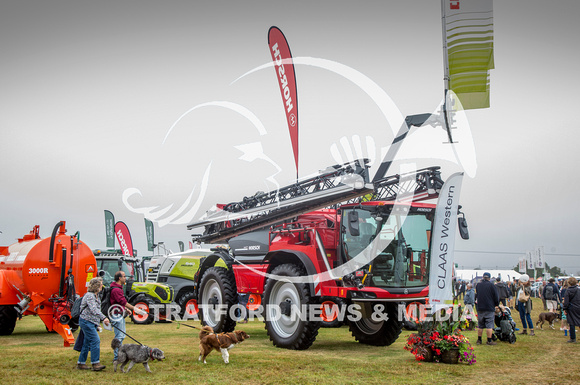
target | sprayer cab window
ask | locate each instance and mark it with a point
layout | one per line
(399, 256)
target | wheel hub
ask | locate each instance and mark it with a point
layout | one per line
(286, 308)
(213, 301)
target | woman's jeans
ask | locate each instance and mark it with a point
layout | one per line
(92, 342)
(525, 316)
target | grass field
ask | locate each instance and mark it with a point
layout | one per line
(33, 356)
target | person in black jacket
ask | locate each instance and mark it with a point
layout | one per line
(571, 307)
(551, 295)
(502, 290)
(487, 299)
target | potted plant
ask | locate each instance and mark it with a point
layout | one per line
(440, 341)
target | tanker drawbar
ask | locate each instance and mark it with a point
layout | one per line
(43, 277)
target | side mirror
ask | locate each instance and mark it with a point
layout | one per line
(462, 226)
(353, 227)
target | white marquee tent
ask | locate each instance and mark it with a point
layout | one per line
(468, 275)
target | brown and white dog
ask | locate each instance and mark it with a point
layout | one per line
(547, 317)
(223, 342)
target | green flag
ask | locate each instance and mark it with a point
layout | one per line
(150, 235)
(468, 34)
(110, 228)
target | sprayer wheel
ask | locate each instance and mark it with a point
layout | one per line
(8, 317)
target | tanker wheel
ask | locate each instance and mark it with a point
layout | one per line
(144, 303)
(74, 326)
(331, 319)
(8, 317)
(188, 306)
(377, 332)
(217, 294)
(287, 330)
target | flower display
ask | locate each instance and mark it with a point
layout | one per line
(433, 338)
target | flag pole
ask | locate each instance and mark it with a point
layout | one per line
(445, 69)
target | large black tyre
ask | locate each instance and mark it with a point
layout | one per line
(279, 298)
(8, 317)
(188, 299)
(409, 324)
(377, 333)
(217, 288)
(144, 303)
(337, 322)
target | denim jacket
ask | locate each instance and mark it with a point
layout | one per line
(469, 298)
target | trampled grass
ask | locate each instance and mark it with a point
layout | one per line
(33, 356)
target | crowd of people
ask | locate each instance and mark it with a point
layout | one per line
(487, 298)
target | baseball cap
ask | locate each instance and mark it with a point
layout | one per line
(486, 275)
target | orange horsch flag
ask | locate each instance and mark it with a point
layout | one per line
(284, 67)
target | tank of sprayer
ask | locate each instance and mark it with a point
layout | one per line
(34, 280)
(33, 272)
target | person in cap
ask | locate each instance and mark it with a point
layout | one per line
(525, 306)
(487, 299)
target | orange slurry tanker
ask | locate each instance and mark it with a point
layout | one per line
(42, 277)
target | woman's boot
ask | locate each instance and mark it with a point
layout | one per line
(525, 331)
(532, 332)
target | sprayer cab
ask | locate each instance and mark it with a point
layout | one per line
(43, 277)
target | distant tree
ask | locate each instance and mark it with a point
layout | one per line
(554, 271)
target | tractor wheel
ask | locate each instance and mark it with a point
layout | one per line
(409, 324)
(413, 308)
(287, 330)
(332, 319)
(377, 333)
(144, 303)
(8, 317)
(217, 294)
(188, 303)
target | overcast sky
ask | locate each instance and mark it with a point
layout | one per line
(90, 91)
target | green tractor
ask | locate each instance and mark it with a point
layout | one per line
(138, 292)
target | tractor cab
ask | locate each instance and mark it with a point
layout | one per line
(109, 262)
(388, 245)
